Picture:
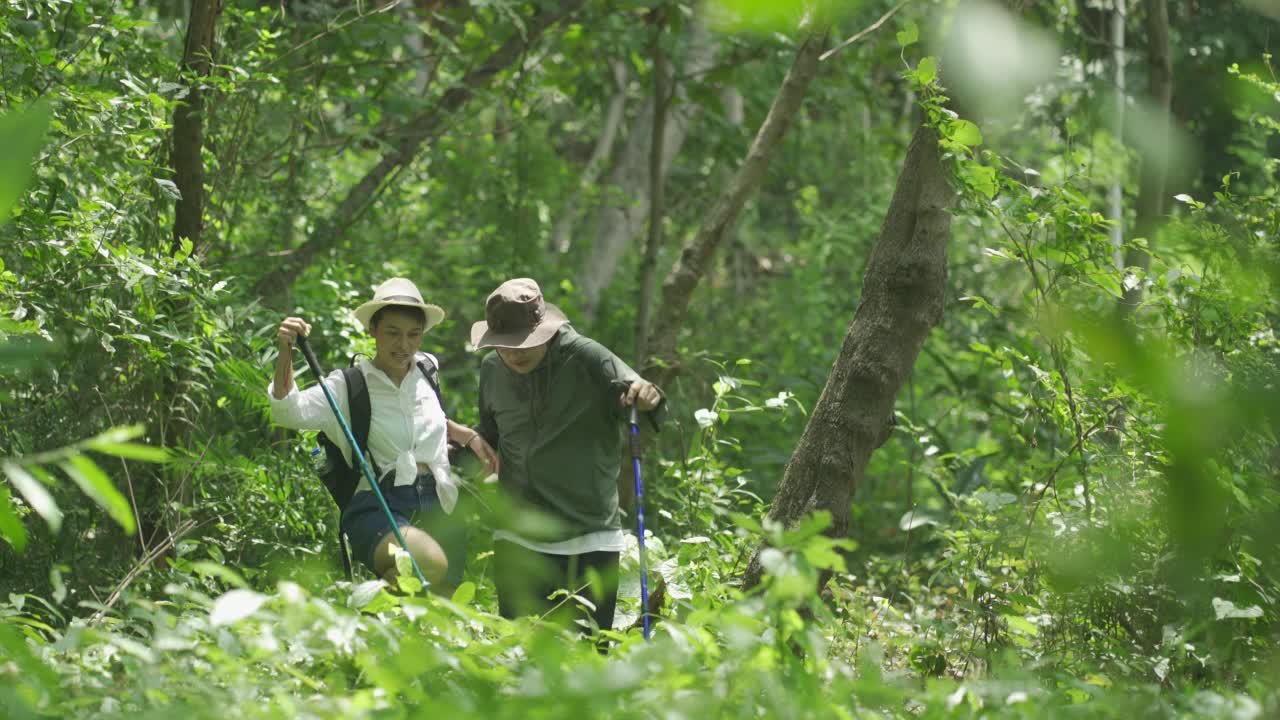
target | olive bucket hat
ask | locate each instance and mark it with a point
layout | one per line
(516, 316)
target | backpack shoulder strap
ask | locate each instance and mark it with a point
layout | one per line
(430, 367)
(358, 405)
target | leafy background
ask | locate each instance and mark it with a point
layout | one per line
(1077, 514)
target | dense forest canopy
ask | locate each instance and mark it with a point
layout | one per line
(965, 314)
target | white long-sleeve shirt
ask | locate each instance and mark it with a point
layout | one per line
(406, 425)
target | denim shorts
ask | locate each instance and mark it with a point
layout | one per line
(416, 505)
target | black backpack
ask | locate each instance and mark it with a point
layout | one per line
(341, 479)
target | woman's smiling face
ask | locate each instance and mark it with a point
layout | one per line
(397, 335)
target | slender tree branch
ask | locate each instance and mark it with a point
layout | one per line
(865, 32)
(695, 258)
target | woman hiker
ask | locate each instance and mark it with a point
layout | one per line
(553, 402)
(408, 437)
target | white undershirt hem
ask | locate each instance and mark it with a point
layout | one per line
(600, 541)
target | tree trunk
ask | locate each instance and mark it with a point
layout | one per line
(902, 299)
(188, 224)
(626, 198)
(1115, 194)
(188, 125)
(695, 258)
(599, 158)
(1155, 164)
(657, 182)
(419, 131)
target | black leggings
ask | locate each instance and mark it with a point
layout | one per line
(525, 579)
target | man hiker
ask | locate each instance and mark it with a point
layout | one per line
(553, 402)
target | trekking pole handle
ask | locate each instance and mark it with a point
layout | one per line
(314, 364)
(634, 435)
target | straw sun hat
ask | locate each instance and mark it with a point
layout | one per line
(400, 292)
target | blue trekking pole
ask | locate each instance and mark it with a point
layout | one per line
(358, 456)
(644, 568)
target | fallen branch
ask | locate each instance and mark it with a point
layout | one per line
(145, 562)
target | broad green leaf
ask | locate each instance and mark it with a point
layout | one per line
(927, 70)
(406, 578)
(981, 178)
(465, 593)
(35, 494)
(912, 520)
(966, 133)
(747, 522)
(909, 35)
(97, 485)
(21, 136)
(807, 527)
(824, 556)
(11, 528)
(169, 188)
(409, 582)
(234, 606)
(1227, 610)
(1021, 624)
(364, 593)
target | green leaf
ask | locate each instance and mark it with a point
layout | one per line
(406, 578)
(34, 493)
(927, 70)
(122, 433)
(808, 526)
(11, 528)
(909, 35)
(465, 593)
(965, 133)
(222, 572)
(97, 485)
(824, 556)
(234, 606)
(1227, 610)
(132, 451)
(169, 188)
(1021, 624)
(364, 593)
(981, 178)
(21, 136)
(913, 519)
(33, 670)
(747, 522)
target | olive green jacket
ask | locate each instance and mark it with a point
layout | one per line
(558, 432)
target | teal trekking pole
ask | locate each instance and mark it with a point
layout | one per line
(357, 455)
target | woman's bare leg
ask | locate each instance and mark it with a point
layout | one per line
(424, 549)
